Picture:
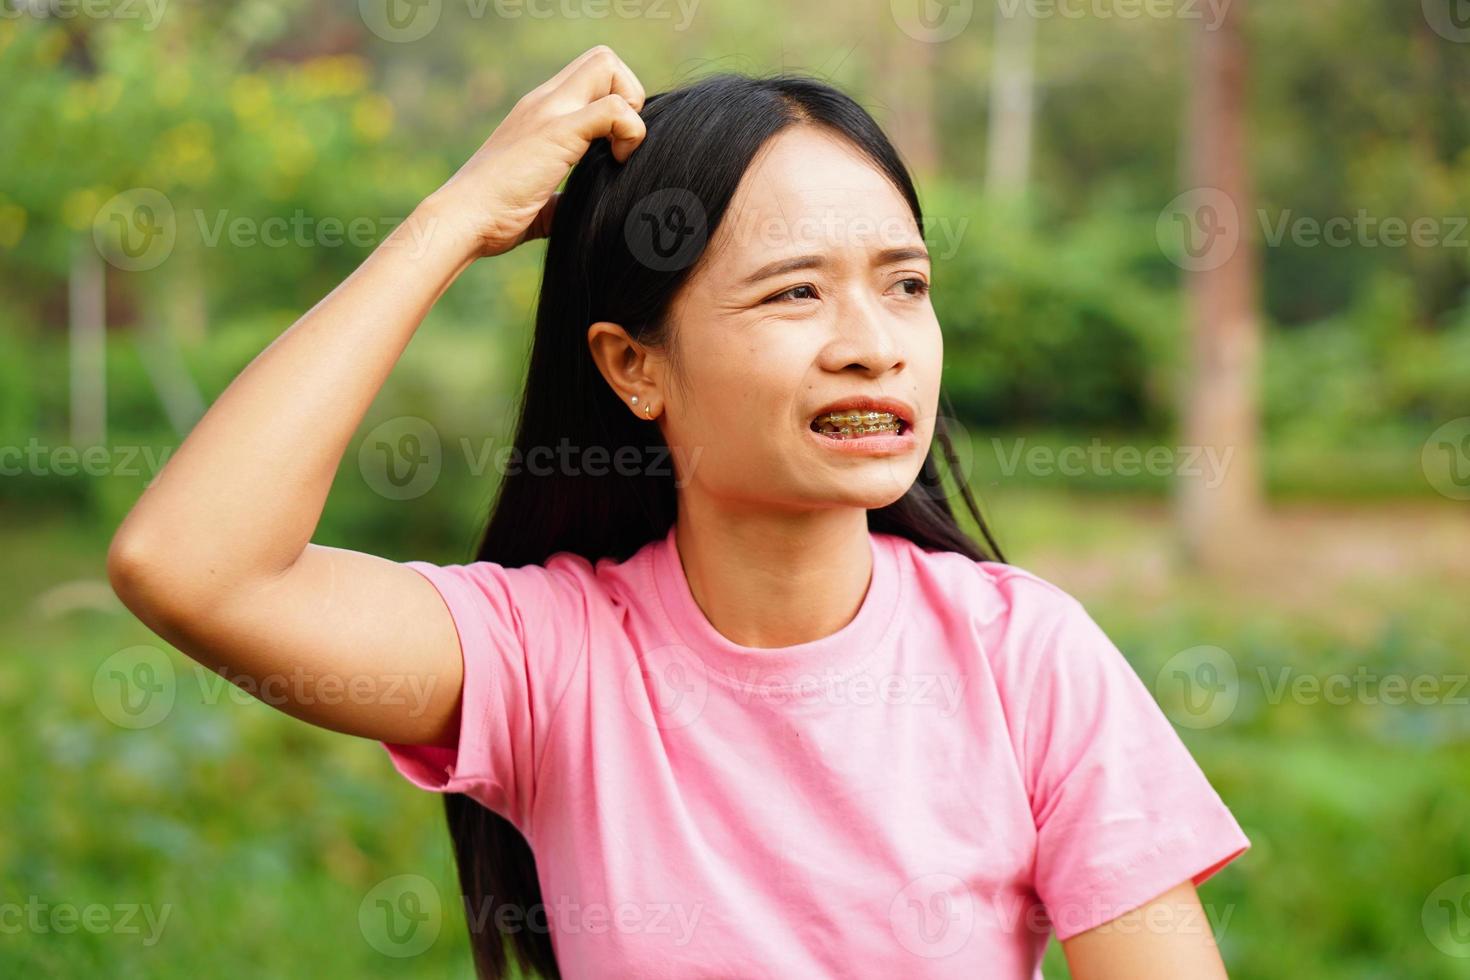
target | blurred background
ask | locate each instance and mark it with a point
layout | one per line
(1202, 268)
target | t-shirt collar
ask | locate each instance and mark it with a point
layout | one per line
(814, 664)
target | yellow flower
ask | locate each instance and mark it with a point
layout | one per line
(185, 154)
(12, 224)
(332, 75)
(51, 48)
(79, 208)
(171, 86)
(250, 97)
(372, 117)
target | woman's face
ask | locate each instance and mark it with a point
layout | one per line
(813, 293)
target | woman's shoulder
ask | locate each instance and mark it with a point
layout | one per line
(984, 589)
(1030, 631)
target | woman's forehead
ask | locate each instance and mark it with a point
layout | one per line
(810, 191)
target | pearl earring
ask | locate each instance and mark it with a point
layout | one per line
(635, 399)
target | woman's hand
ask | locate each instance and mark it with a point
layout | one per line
(503, 195)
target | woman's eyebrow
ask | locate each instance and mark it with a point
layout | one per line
(815, 260)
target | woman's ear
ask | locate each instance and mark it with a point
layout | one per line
(627, 366)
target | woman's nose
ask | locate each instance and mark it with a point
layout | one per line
(865, 340)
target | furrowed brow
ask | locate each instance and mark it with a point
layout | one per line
(888, 256)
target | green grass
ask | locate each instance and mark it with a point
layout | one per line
(261, 837)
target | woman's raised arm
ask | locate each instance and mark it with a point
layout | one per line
(216, 555)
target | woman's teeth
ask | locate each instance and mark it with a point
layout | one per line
(850, 425)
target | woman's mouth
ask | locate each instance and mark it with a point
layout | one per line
(857, 424)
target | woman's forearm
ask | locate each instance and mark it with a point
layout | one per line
(240, 499)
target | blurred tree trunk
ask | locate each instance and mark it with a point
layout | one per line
(1220, 412)
(87, 342)
(906, 83)
(174, 315)
(1008, 140)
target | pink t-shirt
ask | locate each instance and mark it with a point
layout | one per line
(965, 767)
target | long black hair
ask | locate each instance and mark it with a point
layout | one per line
(701, 139)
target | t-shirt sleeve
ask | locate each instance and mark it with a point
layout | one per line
(1123, 812)
(521, 635)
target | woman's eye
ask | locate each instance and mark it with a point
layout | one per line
(918, 286)
(788, 294)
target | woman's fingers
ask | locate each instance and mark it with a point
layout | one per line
(603, 73)
(613, 117)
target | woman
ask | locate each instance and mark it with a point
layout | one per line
(729, 668)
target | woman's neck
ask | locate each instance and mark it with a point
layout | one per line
(767, 579)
